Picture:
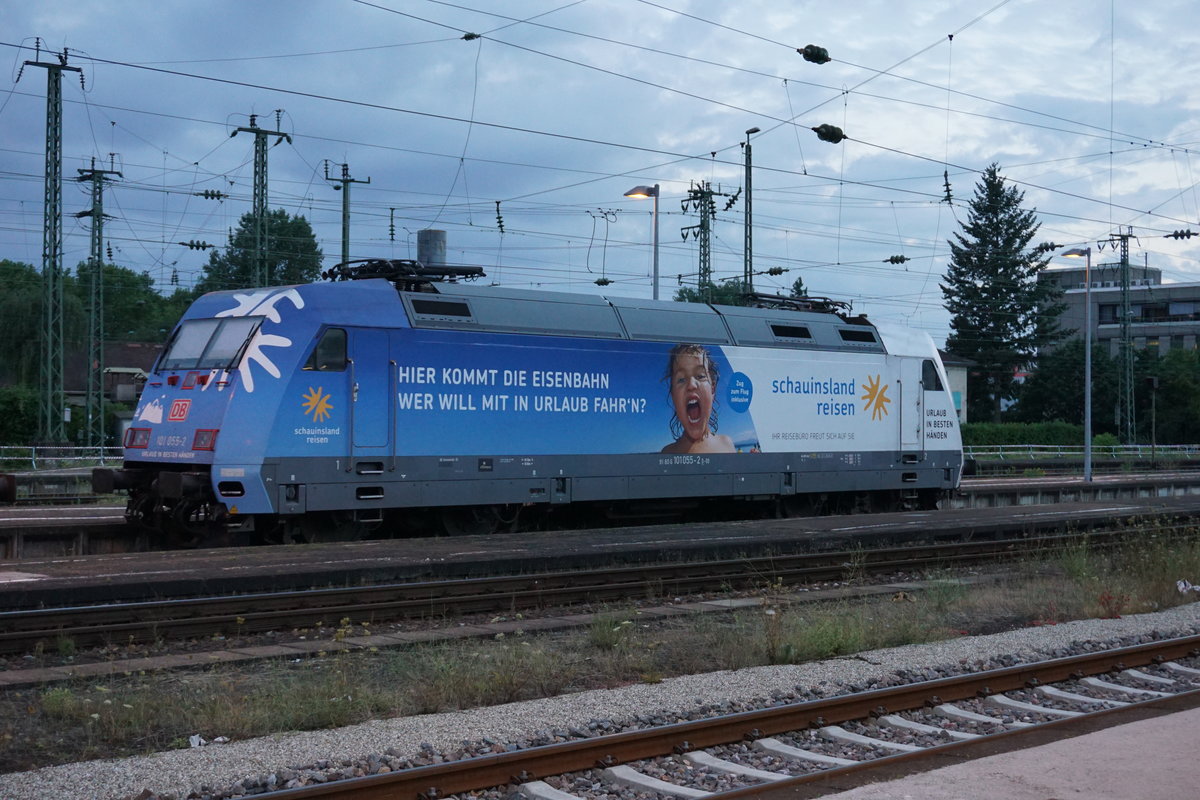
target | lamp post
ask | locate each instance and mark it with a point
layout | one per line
(642, 192)
(1086, 252)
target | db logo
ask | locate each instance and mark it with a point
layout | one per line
(179, 410)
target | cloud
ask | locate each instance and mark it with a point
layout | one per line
(558, 116)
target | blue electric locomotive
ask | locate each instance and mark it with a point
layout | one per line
(403, 398)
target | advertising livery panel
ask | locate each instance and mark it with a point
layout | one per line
(542, 395)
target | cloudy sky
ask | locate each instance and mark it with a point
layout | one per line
(555, 108)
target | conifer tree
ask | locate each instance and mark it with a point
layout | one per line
(726, 293)
(1001, 317)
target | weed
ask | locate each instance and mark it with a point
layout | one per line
(451, 677)
(777, 650)
(943, 594)
(855, 567)
(609, 631)
(829, 635)
(1078, 561)
(60, 702)
(1111, 605)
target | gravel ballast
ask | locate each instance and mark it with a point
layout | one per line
(218, 770)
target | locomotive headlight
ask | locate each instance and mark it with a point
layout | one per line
(204, 440)
(137, 437)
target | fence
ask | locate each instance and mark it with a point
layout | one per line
(1128, 452)
(21, 459)
(17, 459)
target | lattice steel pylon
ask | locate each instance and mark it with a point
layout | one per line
(1127, 422)
(700, 199)
(51, 423)
(259, 210)
(94, 422)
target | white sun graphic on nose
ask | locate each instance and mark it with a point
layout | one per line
(262, 302)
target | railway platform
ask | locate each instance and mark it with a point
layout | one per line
(1144, 753)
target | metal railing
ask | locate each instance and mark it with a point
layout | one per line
(1129, 452)
(36, 459)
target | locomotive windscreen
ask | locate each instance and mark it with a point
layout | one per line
(209, 343)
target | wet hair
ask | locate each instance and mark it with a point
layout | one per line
(714, 375)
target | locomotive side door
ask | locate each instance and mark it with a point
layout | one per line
(369, 389)
(912, 405)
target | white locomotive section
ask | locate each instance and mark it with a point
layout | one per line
(846, 402)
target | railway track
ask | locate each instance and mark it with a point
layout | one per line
(137, 622)
(787, 748)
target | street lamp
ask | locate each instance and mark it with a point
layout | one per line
(1086, 252)
(642, 192)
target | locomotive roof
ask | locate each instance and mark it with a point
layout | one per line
(461, 306)
(446, 304)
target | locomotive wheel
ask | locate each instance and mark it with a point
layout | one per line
(140, 510)
(469, 520)
(804, 505)
(932, 500)
(189, 525)
(336, 527)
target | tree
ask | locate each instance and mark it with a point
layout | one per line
(725, 293)
(21, 310)
(18, 414)
(292, 255)
(1168, 408)
(1054, 391)
(1001, 317)
(134, 311)
(798, 288)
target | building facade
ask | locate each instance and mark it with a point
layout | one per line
(1162, 316)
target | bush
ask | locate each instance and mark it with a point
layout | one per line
(992, 434)
(18, 415)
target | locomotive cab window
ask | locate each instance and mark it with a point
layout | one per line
(209, 343)
(330, 353)
(929, 376)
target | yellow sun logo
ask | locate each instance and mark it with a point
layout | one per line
(876, 397)
(316, 402)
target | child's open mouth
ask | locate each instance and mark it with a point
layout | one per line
(693, 410)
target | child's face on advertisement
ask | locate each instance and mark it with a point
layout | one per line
(692, 394)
